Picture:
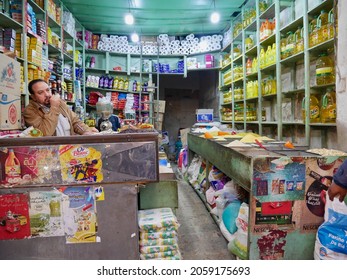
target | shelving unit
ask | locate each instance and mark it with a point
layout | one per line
(42, 48)
(279, 114)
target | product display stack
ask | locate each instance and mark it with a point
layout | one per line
(158, 234)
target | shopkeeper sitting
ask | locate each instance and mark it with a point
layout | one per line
(50, 114)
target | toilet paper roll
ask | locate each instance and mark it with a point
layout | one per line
(215, 37)
(196, 40)
(190, 37)
(220, 37)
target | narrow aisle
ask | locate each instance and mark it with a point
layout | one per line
(199, 237)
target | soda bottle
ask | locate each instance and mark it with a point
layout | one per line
(329, 106)
(12, 168)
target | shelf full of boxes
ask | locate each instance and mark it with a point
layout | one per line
(41, 36)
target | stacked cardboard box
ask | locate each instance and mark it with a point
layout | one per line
(10, 110)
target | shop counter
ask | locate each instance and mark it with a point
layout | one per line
(286, 193)
(74, 197)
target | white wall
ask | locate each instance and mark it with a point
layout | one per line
(341, 76)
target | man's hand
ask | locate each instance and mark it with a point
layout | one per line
(55, 101)
(335, 190)
(90, 131)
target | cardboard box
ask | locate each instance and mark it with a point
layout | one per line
(10, 111)
(204, 115)
(161, 108)
(9, 75)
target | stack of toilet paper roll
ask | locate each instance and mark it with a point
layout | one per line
(116, 43)
(191, 44)
(167, 46)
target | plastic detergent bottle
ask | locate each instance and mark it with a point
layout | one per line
(314, 110)
(249, 43)
(328, 109)
(134, 85)
(101, 82)
(12, 168)
(324, 70)
(249, 66)
(121, 84)
(115, 83)
(262, 58)
(126, 84)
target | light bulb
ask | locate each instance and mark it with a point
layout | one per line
(129, 19)
(215, 17)
(134, 37)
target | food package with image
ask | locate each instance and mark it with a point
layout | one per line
(80, 164)
(14, 216)
(46, 217)
(80, 220)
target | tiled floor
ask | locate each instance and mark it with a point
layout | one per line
(199, 237)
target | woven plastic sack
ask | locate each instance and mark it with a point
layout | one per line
(157, 219)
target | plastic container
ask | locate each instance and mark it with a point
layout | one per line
(299, 40)
(331, 24)
(314, 110)
(328, 109)
(312, 31)
(322, 22)
(324, 70)
(290, 44)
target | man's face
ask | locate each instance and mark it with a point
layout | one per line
(42, 93)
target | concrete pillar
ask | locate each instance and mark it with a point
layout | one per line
(341, 76)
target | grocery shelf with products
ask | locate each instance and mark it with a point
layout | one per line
(280, 47)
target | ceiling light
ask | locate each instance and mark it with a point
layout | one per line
(215, 17)
(129, 19)
(134, 37)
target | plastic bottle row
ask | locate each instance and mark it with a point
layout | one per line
(323, 111)
(117, 83)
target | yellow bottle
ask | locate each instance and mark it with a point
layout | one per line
(322, 23)
(328, 109)
(249, 43)
(268, 59)
(255, 65)
(290, 44)
(331, 24)
(314, 110)
(312, 31)
(273, 53)
(324, 70)
(121, 84)
(299, 41)
(283, 47)
(115, 83)
(262, 58)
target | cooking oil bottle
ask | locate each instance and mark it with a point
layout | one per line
(312, 31)
(322, 23)
(331, 24)
(328, 108)
(314, 114)
(283, 43)
(268, 53)
(290, 44)
(249, 43)
(299, 41)
(324, 70)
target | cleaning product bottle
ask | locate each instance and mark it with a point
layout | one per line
(249, 43)
(314, 113)
(249, 66)
(110, 82)
(328, 109)
(262, 58)
(135, 85)
(105, 81)
(121, 84)
(101, 82)
(324, 70)
(115, 83)
(126, 84)
(12, 168)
